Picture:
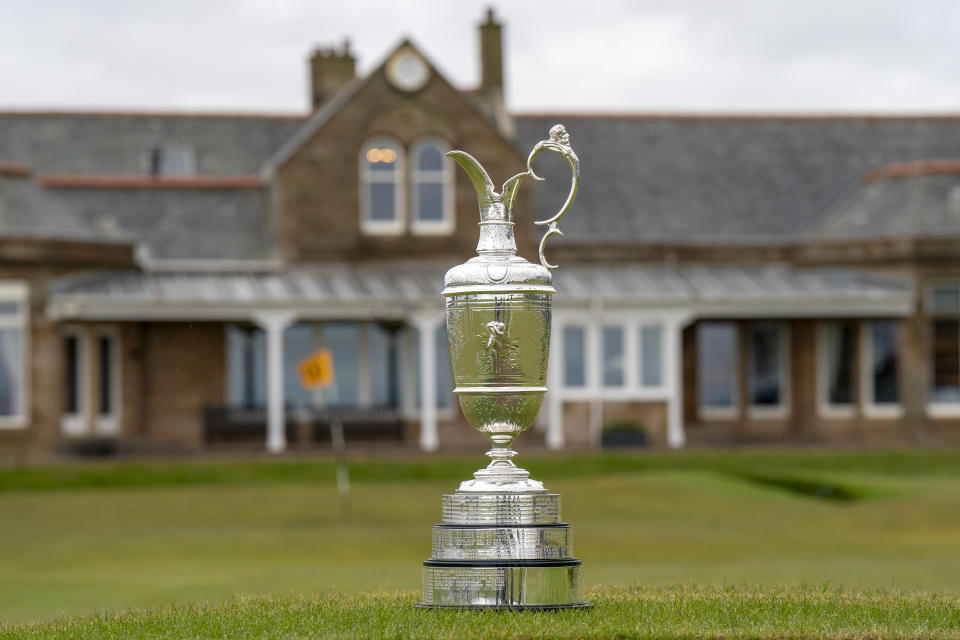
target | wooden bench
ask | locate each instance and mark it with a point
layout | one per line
(224, 424)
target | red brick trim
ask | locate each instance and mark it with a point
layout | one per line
(904, 169)
(107, 181)
(14, 170)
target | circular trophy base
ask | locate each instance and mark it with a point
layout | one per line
(506, 607)
(545, 584)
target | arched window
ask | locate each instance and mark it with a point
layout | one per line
(381, 186)
(431, 179)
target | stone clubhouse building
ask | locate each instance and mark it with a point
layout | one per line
(723, 278)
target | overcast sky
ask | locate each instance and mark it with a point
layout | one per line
(582, 55)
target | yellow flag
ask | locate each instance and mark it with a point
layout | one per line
(316, 370)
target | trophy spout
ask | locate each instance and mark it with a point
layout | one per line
(478, 176)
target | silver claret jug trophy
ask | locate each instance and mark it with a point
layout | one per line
(501, 543)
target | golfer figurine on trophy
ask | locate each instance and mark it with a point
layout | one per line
(501, 542)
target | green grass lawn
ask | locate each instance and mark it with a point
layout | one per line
(802, 542)
(643, 612)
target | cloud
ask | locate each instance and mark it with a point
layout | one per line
(604, 55)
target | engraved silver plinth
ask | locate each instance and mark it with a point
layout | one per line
(451, 542)
(501, 542)
(506, 509)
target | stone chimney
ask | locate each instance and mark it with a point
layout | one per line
(491, 73)
(330, 71)
(491, 53)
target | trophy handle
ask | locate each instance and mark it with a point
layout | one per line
(560, 143)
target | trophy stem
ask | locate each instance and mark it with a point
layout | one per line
(501, 475)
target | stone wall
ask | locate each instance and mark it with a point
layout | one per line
(184, 370)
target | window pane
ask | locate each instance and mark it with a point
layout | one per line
(343, 341)
(299, 341)
(431, 158)
(383, 379)
(883, 341)
(765, 364)
(235, 372)
(445, 384)
(717, 364)
(651, 352)
(839, 354)
(613, 356)
(574, 374)
(176, 160)
(378, 349)
(946, 361)
(383, 201)
(430, 201)
(946, 299)
(9, 308)
(246, 367)
(105, 349)
(71, 381)
(11, 371)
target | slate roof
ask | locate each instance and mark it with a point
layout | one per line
(647, 179)
(26, 210)
(177, 223)
(913, 204)
(730, 180)
(115, 143)
(403, 288)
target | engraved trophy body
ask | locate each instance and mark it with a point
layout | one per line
(501, 542)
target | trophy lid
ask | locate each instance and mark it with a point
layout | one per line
(497, 268)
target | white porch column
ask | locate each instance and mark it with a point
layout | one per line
(427, 324)
(676, 436)
(554, 399)
(593, 354)
(274, 323)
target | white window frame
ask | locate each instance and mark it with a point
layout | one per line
(870, 408)
(368, 176)
(593, 388)
(707, 413)
(19, 292)
(78, 424)
(443, 177)
(780, 411)
(109, 424)
(824, 407)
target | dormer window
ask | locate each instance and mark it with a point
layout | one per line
(381, 186)
(432, 187)
(394, 199)
(170, 160)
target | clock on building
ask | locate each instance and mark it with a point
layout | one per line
(407, 71)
